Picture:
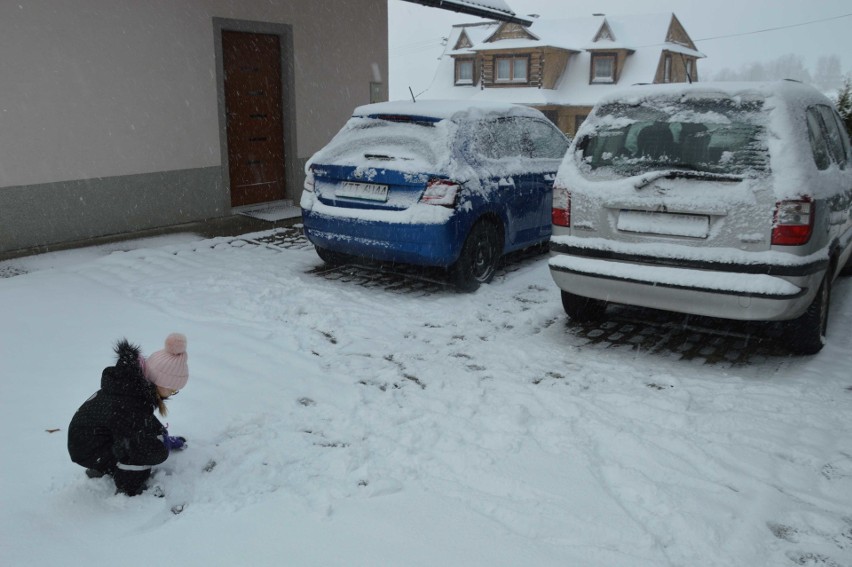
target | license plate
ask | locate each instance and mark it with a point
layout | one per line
(666, 224)
(366, 191)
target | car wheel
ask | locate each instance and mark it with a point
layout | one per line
(479, 257)
(582, 308)
(806, 334)
(847, 269)
(331, 257)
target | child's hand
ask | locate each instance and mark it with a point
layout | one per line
(174, 443)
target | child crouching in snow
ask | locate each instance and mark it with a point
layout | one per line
(115, 431)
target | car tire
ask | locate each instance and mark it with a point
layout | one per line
(847, 269)
(806, 334)
(479, 257)
(331, 257)
(581, 308)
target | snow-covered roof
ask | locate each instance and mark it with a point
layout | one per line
(496, 9)
(629, 32)
(476, 33)
(491, 5)
(790, 90)
(643, 36)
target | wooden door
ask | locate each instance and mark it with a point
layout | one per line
(255, 132)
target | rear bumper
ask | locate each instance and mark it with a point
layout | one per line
(751, 292)
(425, 244)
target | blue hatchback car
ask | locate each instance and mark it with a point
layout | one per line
(447, 184)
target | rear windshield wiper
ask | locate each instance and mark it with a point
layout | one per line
(383, 157)
(691, 173)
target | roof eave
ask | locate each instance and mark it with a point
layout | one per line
(495, 46)
(473, 11)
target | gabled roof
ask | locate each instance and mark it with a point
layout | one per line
(475, 34)
(597, 32)
(493, 9)
(463, 42)
(604, 33)
(644, 31)
(507, 30)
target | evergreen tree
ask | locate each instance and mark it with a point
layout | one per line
(844, 103)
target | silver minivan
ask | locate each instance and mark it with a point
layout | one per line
(729, 200)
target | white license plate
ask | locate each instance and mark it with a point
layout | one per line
(667, 224)
(366, 191)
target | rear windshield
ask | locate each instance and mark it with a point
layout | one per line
(416, 144)
(512, 137)
(715, 135)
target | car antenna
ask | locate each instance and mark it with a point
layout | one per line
(412, 94)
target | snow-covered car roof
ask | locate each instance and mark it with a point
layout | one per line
(786, 90)
(418, 149)
(454, 110)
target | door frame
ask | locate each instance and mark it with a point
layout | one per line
(288, 101)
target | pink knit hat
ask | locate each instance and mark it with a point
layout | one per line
(167, 368)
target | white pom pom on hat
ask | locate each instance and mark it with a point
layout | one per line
(167, 368)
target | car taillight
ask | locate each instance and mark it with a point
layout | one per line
(560, 214)
(440, 192)
(793, 223)
(310, 181)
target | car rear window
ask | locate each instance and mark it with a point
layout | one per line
(513, 137)
(411, 143)
(715, 135)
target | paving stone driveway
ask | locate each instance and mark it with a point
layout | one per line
(681, 337)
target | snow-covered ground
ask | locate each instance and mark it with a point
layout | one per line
(332, 424)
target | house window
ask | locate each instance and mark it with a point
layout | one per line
(512, 69)
(603, 68)
(689, 76)
(464, 71)
(667, 69)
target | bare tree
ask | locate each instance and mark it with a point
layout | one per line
(789, 66)
(829, 74)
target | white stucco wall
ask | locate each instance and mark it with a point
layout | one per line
(99, 88)
(96, 88)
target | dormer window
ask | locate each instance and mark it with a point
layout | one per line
(511, 69)
(464, 71)
(603, 68)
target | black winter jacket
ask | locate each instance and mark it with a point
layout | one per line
(116, 427)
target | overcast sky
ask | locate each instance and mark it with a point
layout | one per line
(415, 32)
